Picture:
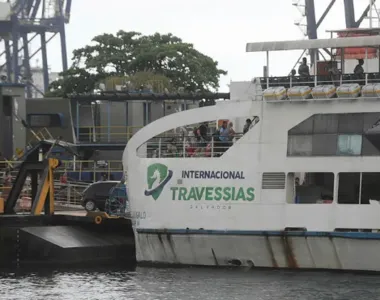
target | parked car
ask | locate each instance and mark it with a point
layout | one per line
(96, 194)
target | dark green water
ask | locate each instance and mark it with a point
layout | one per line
(184, 284)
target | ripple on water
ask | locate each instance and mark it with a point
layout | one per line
(186, 284)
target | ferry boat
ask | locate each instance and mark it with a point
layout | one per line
(300, 189)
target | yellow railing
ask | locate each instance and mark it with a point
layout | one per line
(101, 166)
(106, 167)
(67, 193)
(106, 133)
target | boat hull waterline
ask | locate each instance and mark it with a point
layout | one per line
(356, 251)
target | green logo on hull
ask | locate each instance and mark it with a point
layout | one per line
(158, 175)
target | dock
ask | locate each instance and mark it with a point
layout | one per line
(46, 236)
(64, 238)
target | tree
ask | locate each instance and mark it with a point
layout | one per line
(139, 59)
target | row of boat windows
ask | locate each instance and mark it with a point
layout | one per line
(336, 123)
(309, 188)
(330, 145)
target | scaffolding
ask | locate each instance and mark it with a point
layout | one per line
(26, 21)
(309, 23)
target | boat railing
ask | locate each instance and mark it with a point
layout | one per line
(185, 146)
(312, 81)
(106, 134)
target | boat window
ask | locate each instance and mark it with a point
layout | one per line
(197, 140)
(349, 188)
(351, 123)
(325, 123)
(45, 120)
(369, 149)
(354, 134)
(349, 144)
(300, 145)
(324, 144)
(309, 188)
(358, 188)
(305, 127)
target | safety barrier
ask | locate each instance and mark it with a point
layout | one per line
(105, 167)
(90, 170)
(106, 134)
(185, 146)
(67, 196)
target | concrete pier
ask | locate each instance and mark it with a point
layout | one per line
(64, 239)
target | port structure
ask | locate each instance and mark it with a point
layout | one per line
(309, 23)
(23, 21)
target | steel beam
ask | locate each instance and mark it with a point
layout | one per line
(364, 15)
(26, 65)
(28, 17)
(327, 10)
(45, 67)
(311, 24)
(67, 10)
(8, 59)
(349, 11)
(20, 49)
(62, 34)
(29, 6)
(15, 38)
(125, 96)
(36, 6)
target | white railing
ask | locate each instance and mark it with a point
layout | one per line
(68, 195)
(181, 146)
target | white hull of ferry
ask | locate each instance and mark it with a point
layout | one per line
(346, 251)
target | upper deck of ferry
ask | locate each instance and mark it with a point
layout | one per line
(340, 52)
(174, 136)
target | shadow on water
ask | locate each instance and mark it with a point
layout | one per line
(128, 282)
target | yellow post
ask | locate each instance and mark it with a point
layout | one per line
(1, 205)
(47, 187)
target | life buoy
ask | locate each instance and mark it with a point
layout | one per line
(98, 220)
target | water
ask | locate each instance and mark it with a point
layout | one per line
(186, 284)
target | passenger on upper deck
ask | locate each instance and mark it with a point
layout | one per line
(223, 132)
(202, 133)
(303, 69)
(231, 131)
(293, 73)
(359, 68)
(333, 70)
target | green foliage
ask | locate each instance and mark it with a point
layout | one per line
(162, 61)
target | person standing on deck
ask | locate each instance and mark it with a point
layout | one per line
(303, 69)
(359, 71)
(223, 132)
(231, 131)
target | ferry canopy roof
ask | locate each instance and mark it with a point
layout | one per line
(373, 30)
(347, 42)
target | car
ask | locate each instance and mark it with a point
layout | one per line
(96, 194)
